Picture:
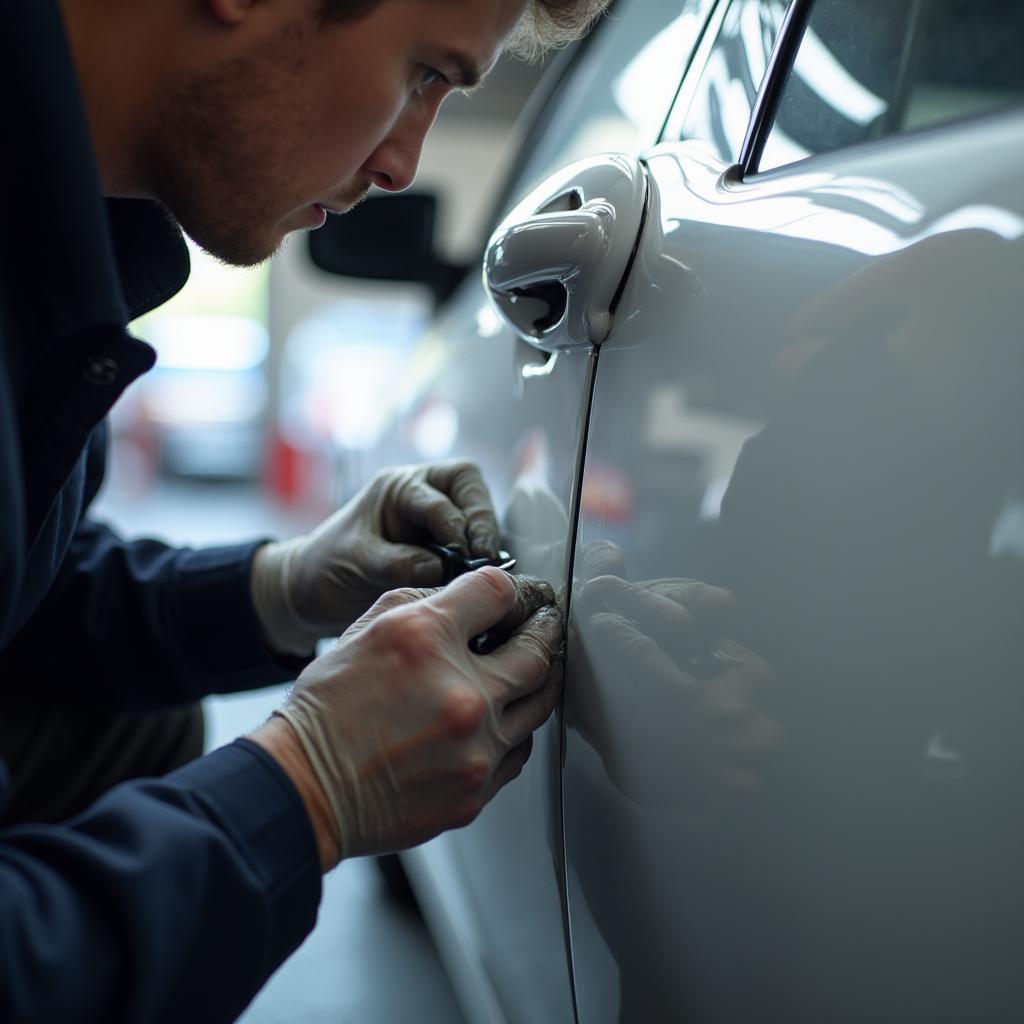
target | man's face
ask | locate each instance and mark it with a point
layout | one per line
(291, 117)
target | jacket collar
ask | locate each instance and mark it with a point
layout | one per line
(151, 255)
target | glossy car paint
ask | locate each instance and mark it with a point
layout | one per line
(807, 807)
(499, 879)
(493, 893)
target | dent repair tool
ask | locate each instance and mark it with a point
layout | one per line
(454, 563)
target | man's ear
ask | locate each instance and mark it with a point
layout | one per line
(230, 12)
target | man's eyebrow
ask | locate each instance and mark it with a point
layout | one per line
(467, 73)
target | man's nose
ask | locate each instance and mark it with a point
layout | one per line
(392, 165)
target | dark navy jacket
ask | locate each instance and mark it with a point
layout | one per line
(172, 899)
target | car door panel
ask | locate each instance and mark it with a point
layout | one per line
(494, 891)
(519, 414)
(792, 755)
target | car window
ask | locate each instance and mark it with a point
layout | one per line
(619, 98)
(721, 104)
(868, 69)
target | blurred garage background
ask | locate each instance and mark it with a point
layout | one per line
(270, 384)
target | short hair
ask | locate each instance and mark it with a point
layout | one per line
(545, 25)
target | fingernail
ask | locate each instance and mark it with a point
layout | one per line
(426, 570)
(483, 542)
(547, 611)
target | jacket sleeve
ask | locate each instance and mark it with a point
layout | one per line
(168, 900)
(140, 624)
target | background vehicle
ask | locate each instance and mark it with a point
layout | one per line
(206, 399)
(752, 399)
(203, 411)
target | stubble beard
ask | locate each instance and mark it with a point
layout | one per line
(217, 166)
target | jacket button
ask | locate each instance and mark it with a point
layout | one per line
(100, 370)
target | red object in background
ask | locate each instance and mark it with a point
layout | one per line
(607, 494)
(287, 470)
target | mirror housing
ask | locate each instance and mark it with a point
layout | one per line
(386, 238)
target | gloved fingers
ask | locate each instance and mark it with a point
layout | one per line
(387, 565)
(511, 766)
(462, 482)
(397, 598)
(525, 716)
(520, 666)
(531, 594)
(385, 603)
(477, 600)
(419, 505)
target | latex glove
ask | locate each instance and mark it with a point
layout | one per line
(407, 731)
(317, 585)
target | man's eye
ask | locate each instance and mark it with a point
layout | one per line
(429, 76)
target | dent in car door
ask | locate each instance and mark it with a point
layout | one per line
(794, 761)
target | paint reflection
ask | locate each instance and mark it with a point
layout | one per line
(724, 97)
(680, 723)
(858, 794)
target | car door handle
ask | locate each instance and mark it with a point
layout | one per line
(555, 264)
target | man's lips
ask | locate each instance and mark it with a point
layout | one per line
(344, 201)
(319, 209)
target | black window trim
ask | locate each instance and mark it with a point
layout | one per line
(779, 64)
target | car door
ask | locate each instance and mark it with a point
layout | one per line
(493, 892)
(795, 705)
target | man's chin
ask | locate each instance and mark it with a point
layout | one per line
(234, 249)
(252, 245)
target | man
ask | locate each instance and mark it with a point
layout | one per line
(175, 897)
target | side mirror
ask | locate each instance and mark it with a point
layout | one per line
(386, 238)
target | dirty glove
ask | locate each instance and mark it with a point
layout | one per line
(407, 731)
(318, 584)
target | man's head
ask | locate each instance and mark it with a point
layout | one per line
(544, 24)
(252, 117)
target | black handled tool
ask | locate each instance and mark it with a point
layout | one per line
(455, 563)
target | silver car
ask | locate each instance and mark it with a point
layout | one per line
(745, 371)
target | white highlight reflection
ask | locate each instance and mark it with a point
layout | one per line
(824, 75)
(654, 72)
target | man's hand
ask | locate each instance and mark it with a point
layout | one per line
(401, 731)
(317, 585)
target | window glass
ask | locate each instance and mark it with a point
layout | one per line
(867, 69)
(721, 106)
(621, 96)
